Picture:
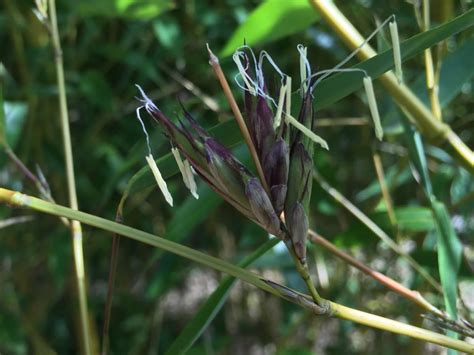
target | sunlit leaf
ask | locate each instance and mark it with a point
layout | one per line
(272, 20)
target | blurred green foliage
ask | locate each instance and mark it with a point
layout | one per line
(111, 45)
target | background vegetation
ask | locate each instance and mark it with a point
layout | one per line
(108, 46)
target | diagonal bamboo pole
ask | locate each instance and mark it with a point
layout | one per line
(428, 124)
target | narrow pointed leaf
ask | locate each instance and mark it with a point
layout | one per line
(272, 20)
(449, 257)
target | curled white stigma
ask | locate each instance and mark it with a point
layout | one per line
(369, 91)
(397, 58)
(147, 103)
(242, 71)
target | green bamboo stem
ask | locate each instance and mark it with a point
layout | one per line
(18, 199)
(428, 124)
(76, 228)
(432, 78)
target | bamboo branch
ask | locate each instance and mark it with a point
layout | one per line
(18, 199)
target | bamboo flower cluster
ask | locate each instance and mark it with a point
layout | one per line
(283, 144)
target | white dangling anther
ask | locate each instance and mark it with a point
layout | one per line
(397, 58)
(369, 91)
(307, 132)
(159, 179)
(281, 99)
(190, 177)
(288, 97)
(186, 173)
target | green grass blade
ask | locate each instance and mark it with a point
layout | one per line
(417, 155)
(456, 70)
(271, 20)
(207, 312)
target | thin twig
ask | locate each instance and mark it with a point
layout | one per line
(110, 286)
(376, 230)
(432, 84)
(214, 61)
(395, 286)
(4, 223)
(76, 228)
(42, 187)
(190, 86)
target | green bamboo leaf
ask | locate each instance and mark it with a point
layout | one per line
(417, 155)
(449, 246)
(449, 256)
(456, 70)
(415, 219)
(193, 212)
(208, 311)
(272, 20)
